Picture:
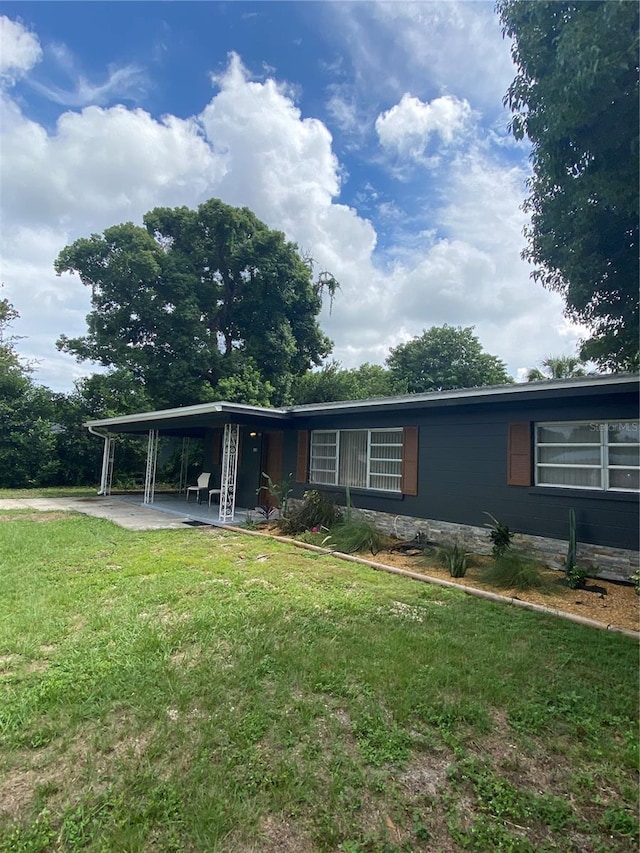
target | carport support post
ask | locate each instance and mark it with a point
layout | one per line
(150, 471)
(230, 442)
(107, 465)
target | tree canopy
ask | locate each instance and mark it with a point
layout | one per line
(199, 304)
(334, 382)
(575, 97)
(445, 357)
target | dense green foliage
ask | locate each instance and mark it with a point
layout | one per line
(224, 692)
(333, 382)
(199, 305)
(42, 438)
(558, 367)
(445, 357)
(575, 97)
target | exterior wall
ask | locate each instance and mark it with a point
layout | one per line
(609, 563)
(463, 474)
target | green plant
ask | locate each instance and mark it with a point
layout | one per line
(576, 577)
(454, 558)
(513, 571)
(280, 491)
(635, 577)
(500, 535)
(249, 523)
(356, 534)
(316, 510)
(266, 511)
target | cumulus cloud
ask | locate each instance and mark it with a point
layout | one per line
(251, 145)
(20, 49)
(408, 127)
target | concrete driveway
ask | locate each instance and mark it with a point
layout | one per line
(129, 515)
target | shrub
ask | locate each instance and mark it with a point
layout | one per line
(576, 577)
(513, 571)
(355, 535)
(454, 558)
(500, 535)
(316, 510)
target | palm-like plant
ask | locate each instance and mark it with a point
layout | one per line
(558, 367)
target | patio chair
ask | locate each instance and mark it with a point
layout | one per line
(202, 486)
(216, 492)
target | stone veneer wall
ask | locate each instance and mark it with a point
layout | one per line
(601, 561)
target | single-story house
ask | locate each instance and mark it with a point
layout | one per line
(437, 462)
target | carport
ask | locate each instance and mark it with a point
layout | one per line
(219, 425)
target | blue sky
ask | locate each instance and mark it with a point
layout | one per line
(372, 134)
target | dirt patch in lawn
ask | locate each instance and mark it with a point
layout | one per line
(33, 516)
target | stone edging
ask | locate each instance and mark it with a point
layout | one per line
(468, 590)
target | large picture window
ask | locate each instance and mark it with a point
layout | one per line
(362, 458)
(589, 455)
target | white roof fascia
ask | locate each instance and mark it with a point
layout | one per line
(188, 411)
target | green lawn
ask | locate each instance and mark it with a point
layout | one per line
(208, 691)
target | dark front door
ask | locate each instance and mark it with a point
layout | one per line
(271, 464)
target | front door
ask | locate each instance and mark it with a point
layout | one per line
(271, 464)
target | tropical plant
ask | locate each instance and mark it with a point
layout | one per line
(281, 492)
(558, 367)
(500, 535)
(454, 558)
(316, 510)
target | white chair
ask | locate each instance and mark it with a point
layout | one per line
(203, 485)
(213, 492)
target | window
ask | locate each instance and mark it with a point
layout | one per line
(362, 458)
(589, 455)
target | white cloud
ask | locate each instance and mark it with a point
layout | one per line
(437, 48)
(19, 49)
(252, 146)
(127, 82)
(408, 127)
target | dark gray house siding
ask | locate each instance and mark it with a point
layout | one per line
(463, 467)
(465, 439)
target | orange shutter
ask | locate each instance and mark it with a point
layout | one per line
(410, 461)
(302, 465)
(519, 454)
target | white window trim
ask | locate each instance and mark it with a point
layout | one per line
(368, 487)
(602, 436)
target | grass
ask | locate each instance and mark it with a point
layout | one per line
(205, 691)
(51, 492)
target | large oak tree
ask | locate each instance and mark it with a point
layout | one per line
(575, 97)
(199, 303)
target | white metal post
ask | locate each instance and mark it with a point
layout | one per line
(107, 465)
(230, 442)
(150, 471)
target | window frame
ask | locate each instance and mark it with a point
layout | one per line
(602, 431)
(399, 431)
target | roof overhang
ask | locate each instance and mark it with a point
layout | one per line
(525, 391)
(187, 420)
(195, 420)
